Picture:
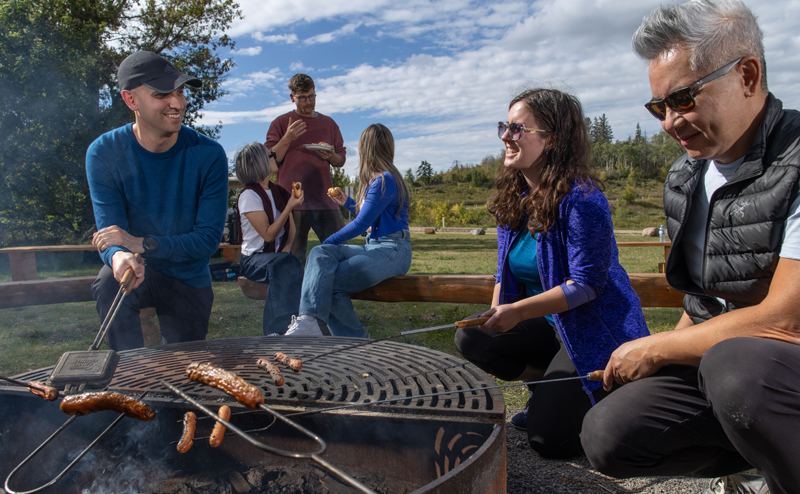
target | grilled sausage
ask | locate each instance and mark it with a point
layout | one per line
(219, 428)
(211, 375)
(292, 363)
(297, 187)
(87, 403)
(42, 390)
(273, 370)
(189, 424)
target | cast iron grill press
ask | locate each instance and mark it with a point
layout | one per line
(77, 371)
(94, 368)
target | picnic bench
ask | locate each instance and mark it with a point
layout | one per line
(26, 289)
(652, 288)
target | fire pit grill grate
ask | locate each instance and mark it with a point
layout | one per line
(365, 374)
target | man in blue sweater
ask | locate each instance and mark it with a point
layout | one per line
(159, 189)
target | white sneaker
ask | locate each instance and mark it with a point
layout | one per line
(747, 482)
(304, 327)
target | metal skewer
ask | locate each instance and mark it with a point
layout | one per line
(261, 429)
(277, 451)
(72, 464)
(458, 324)
(124, 288)
(592, 376)
(49, 393)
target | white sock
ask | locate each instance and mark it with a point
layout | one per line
(306, 317)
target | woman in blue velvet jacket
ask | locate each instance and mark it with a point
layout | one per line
(562, 303)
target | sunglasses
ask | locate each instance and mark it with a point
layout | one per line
(516, 130)
(682, 100)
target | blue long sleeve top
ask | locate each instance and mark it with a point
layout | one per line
(379, 211)
(179, 197)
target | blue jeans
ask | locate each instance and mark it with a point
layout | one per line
(284, 273)
(333, 272)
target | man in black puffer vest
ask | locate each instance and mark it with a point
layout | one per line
(721, 393)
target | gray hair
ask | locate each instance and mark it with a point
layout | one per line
(714, 32)
(252, 163)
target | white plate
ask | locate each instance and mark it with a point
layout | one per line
(316, 147)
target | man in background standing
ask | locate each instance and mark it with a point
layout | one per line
(287, 136)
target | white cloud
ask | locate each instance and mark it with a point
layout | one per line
(299, 67)
(248, 52)
(239, 87)
(275, 38)
(328, 37)
(444, 104)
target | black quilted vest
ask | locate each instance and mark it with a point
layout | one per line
(746, 219)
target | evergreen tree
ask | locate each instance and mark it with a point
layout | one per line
(425, 172)
(409, 177)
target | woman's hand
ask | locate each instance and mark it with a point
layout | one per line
(295, 201)
(503, 318)
(337, 195)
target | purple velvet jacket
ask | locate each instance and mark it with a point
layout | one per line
(580, 246)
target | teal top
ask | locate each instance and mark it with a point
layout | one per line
(524, 265)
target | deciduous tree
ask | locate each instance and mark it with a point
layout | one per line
(58, 62)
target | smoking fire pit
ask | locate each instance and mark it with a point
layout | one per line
(446, 443)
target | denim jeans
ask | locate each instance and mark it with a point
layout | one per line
(333, 272)
(284, 273)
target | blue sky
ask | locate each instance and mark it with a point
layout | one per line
(440, 74)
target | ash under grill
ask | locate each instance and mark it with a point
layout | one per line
(381, 371)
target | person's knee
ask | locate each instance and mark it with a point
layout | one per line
(602, 447)
(732, 379)
(466, 343)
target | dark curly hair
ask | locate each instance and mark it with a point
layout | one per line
(568, 163)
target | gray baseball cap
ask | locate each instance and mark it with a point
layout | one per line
(154, 71)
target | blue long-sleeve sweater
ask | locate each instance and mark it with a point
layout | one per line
(179, 197)
(379, 211)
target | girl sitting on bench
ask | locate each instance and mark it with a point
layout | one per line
(267, 230)
(334, 270)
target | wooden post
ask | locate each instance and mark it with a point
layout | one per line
(23, 266)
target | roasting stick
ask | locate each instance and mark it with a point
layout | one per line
(72, 464)
(49, 393)
(322, 446)
(458, 324)
(592, 376)
(124, 287)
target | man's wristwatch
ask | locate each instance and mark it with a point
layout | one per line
(150, 245)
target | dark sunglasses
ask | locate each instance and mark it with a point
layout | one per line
(516, 130)
(682, 100)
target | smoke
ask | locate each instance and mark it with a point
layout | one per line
(133, 465)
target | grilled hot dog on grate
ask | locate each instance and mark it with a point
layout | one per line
(273, 370)
(106, 400)
(211, 375)
(292, 363)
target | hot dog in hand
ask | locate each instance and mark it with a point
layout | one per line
(297, 187)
